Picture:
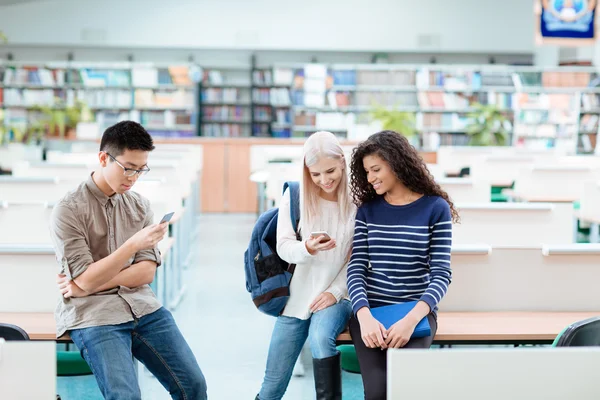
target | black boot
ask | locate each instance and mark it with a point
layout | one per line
(328, 378)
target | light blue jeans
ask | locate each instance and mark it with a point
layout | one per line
(289, 335)
(153, 339)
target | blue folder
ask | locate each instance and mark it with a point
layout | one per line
(389, 315)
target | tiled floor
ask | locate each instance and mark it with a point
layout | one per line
(228, 335)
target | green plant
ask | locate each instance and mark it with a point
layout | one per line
(489, 126)
(399, 121)
(3, 135)
(58, 119)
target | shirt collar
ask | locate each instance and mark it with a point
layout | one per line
(99, 194)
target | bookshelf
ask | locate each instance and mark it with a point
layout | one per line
(161, 97)
(225, 102)
(548, 107)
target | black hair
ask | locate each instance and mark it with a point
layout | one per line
(125, 135)
(404, 160)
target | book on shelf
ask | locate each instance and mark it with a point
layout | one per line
(590, 101)
(225, 95)
(180, 75)
(156, 77)
(545, 100)
(283, 76)
(589, 123)
(466, 80)
(225, 113)
(443, 100)
(261, 96)
(497, 78)
(262, 77)
(280, 97)
(588, 143)
(227, 77)
(443, 122)
(282, 116)
(391, 99)
(262, 114)
(225, 130)
(343, 77)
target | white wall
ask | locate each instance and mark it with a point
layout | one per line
(429, 26)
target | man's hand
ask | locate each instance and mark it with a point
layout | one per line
(322, 301)
(68, 288)
(399, 334)
(148, 237)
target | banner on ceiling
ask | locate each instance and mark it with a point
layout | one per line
(565, 22)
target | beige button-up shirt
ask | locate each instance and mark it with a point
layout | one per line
(86, 226)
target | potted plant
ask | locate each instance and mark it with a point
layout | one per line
(392, 119)
(18, 143)
(60, 120)
(489, 126)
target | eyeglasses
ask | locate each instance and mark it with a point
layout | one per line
(130, 171)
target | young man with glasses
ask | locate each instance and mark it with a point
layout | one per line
(105, 242)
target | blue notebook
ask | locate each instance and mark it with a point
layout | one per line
(389, 315)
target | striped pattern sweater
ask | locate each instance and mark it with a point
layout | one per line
(400, 253)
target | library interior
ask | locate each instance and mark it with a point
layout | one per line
(421, 180)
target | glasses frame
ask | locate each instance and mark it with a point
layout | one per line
(129, 172)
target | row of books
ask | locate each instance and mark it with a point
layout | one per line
(443, 122)
(97, 77)
(262, 77)
(589, 123)
(98, 98)
(225, 113)
(225, 95)
(554, 116)
(225, 130)
(262, 114)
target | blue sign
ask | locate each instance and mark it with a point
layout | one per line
(568, 19)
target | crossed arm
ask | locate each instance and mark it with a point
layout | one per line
(82, 276)
(141, 273)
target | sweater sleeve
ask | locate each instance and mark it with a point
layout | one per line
(439, 255)
(359, 262)
(338, 287)
(288, 247)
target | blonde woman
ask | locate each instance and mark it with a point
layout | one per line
(318, 307)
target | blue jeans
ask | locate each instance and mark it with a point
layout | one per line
(156, 341)
(289, 335)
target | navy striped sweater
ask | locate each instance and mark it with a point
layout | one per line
(400, 253)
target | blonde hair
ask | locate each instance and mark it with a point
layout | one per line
(317, 146)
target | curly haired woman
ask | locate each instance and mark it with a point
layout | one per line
(401, 250)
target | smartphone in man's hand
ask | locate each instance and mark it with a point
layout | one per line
(166, 218)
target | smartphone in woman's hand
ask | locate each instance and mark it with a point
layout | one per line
(326, 237)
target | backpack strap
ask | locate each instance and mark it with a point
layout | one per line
(294, 203)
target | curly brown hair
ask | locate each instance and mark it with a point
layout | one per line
(403, 159)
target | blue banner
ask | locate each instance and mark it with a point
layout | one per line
(571, 20)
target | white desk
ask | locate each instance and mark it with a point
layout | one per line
(494, 374)
(28, 370)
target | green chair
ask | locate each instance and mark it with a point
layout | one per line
(498, 196)
(70, 363)
(581, 333)
(349, 360)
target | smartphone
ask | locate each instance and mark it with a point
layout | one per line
(166, 218)
(316, 234)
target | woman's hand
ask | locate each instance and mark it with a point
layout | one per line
(372, 332)
(399, 334)
(314, 245)
(322, 301)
